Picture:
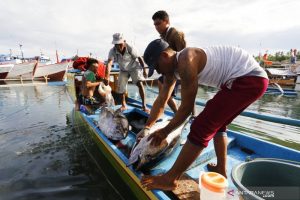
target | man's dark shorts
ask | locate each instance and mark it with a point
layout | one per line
(87, 100)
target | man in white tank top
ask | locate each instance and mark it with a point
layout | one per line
(238, 76)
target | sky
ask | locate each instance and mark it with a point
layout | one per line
(87, 26)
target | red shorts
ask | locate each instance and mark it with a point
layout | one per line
(226, 105)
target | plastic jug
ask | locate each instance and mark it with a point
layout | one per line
(212, 186)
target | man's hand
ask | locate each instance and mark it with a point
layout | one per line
(157, 137)
(143, 133)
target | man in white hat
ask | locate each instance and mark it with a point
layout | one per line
(131, 65)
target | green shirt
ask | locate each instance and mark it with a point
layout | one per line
(90, 76)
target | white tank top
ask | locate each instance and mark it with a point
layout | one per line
(224, 64)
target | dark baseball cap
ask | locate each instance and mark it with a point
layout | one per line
(152, 53)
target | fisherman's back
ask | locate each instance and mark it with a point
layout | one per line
(225, 63)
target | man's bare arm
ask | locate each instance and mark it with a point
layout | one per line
(141, 62)
(90, 84)
(143, 66)
(108, 68)
(161, 100)
(189, 86)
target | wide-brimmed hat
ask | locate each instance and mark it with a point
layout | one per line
(118, 38)
(152, 53)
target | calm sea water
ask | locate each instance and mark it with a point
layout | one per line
(41, 157)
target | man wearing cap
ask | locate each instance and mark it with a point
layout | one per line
(238, 76)
(131, 65)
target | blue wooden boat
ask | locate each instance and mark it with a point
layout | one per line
(251, 114)
(240, 148)
(276, 91)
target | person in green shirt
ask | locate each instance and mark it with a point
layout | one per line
(90, 83)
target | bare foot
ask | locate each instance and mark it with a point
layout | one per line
(145, 109)
(214, 168)
(161, 182)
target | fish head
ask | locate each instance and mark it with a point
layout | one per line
(105, 111)
(118, 135)
(150, 153)
(121, 126)
(142, 161)
(119, 132)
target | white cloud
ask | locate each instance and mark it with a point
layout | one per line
(88, 25)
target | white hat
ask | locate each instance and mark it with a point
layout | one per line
(118, 38)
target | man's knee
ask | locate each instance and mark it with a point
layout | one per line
(221, 134)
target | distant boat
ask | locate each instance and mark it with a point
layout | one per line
(44, 60)
(4, 70)
(8, 59)
(283, 77)
(23, 70)
(54, 72)
(277, 91)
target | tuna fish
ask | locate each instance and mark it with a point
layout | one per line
(105, 90)
(113, 124)
(144, 155)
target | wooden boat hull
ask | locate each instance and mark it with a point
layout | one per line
(82, 125)
(5, 69)
(240, 148)
(115, 161)
(23, 70)
(3, 75)
(54, 72)
(283, 76)
(283, 82)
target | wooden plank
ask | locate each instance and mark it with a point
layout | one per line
(187, 188)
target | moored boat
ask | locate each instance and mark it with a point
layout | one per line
(283, 91)
(240, 148)
(8, 59)
(5, 69)
(252, 114)
(23, 70)
(284, 77)
(53, 72)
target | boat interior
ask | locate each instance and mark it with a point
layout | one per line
(240, 147)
